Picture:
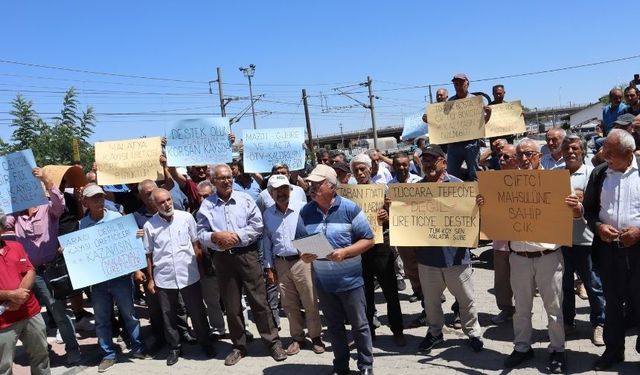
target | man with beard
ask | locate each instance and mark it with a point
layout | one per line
(553, 159)
(491, 158)
(174, 264)
(633, 100)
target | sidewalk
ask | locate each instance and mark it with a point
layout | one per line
(451, 357)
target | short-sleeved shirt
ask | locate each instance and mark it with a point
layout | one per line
(171, 245)
(253, 189)
(265, 200)
(14, 265)
(87, 221)
(343, 225)
(611, 114)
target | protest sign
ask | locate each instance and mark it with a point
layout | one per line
(506, 118)
(456, 120)
(19, 189)
(73, 175)
(199, 141)
(414, 127)
(129, 161)
(433, 214)
(370, 198)
(526, 205)
(103, 252)
(265, 147)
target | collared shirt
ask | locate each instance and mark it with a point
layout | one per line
(253, 189)
(265, 200)
(38, 233)
(14, 265)
(142, 216)
(238, 214)
(548, 162)
(171, 245)
(410, 180)
(87, 221)
(611, 114)
(383, 176)
(343, 225)
(582, 235)
(620, 197)
(279, 231)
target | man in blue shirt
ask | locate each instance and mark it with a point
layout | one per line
(611, 112)
(338, 278)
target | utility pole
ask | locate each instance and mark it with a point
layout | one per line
(341, 136)
(373, 113)
(222, 110)
(248, 72)
(308, 120)
(430, 95)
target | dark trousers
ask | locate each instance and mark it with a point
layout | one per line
(192, 297)
(378, 263)
(273, 299)
(578, 259)
(156, 319)
(240, 271)
(620, 272)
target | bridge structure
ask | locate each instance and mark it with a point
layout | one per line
(537, 119)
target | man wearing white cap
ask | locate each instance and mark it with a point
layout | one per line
(338, 278)
(283, 266)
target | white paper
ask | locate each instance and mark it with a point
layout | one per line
(316, 244)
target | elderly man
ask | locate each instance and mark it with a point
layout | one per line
(490, 159)
(118, 290)
(445, 267)
(379, 264)
(613, 110)
(343, 171)
(380, 174)
(577, 258)
(174, 261)
(265, 200)
(338, 278)
(611, 206)
(553, 158)
(36, 229)
(284, 267)
(229, 223)
(20, 317)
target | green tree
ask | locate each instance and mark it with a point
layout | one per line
(26, 122)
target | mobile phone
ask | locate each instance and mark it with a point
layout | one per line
(636, 79)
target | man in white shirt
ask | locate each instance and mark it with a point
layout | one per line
(174, 261)
(553, 159)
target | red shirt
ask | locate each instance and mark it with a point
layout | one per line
(14, 265)
(190, 189)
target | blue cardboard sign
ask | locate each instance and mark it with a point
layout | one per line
(198, 141)
(263, 148)
(414, 127)
(19, 188)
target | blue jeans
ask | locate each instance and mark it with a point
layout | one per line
(578, 259)
(349, 306)
(103, 295)
(59, 312)
(468, 152)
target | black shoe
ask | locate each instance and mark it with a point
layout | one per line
(429, 342)
(210, 351)
(476, 344)
(608, 359)
(414, 298)
(248, 335)
(174, 355)
(187, 338)
(278, 353)
(401, 285)
(516, 358)
(340, 372)
(557, 363)
(366, 371)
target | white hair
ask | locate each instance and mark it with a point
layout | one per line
(528, 141)
(144, 183)
(360, 159)
(218, 166)
(562, 132)
(626, 142)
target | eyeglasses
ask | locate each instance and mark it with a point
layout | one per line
(506, 157)
(528, 154)
(225, 178)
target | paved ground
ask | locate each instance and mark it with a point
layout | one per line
(452, 357)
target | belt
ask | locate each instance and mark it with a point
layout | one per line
(288, 257)
(533, 254)
(243, 250)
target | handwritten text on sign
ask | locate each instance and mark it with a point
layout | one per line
(506, 118)
(526, 205)
(370, 198)
(19, 189)
(103, 252)
(199, 142)
(129, 161)
(266, 147)
(456, 120)
(433, 214)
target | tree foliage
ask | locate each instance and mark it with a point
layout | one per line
(52, 143)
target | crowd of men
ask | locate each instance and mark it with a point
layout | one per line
(218, 243)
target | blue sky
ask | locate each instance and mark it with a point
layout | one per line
(314, 45)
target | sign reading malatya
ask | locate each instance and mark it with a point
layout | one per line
(370, 198)
(199, 141)
(129, 161)
(506, 118)
(265, 147)
(526, 205)
(456, 120)
(433, 214)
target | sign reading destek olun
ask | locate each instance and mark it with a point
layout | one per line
(526, 205)
(433, 214)
(103, 252)
(19, 189)
(506, 118)
(456, 120)
(129, 161)
(370, 198)
(265, 147)
(199, 141)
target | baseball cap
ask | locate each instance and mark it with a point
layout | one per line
(461, 76)
(341, 167)
(433, 150)
(625, 119)
(91, 190)
(277, 180)
(323, 172)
